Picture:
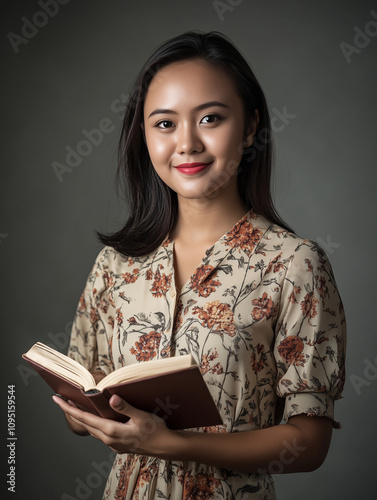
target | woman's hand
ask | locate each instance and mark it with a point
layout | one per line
(300, 445)
(145, 433)
(78, 429)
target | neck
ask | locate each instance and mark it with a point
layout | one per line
(203, 221)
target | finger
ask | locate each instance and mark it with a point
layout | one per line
(75, 405)
(84, 419)
(82, 416)
(93, 431)
(60, 401)
(121, 406)
(65, 404)
(135, 415)
(99, 426)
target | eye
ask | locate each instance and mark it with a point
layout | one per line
(164, 124)
(211, 118)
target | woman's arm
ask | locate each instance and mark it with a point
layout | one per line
(300, 445)
(74, 426)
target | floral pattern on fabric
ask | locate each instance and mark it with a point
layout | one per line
(263, 319)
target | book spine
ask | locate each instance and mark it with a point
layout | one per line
(89, 403)
(100, 402)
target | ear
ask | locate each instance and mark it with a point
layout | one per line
(252, 129)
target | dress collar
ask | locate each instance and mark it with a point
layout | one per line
(244, 236)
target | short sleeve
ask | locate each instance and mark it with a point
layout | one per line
(310, 339)
(91, 335)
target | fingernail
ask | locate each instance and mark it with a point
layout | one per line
(115, 400)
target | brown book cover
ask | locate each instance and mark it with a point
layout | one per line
(180, 397)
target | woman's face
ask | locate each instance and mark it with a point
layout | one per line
(194, 129)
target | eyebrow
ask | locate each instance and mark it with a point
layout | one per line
(205, 105)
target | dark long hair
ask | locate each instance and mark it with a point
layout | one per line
(153, 206)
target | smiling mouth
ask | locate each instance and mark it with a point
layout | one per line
(192, 168)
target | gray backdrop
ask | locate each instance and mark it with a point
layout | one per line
(64, 72)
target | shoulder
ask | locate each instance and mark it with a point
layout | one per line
(108, 257)
(292, 247)
(292, 257)
(114, 261)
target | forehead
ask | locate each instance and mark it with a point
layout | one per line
(186, 84)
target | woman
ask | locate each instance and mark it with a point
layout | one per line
(204, 265)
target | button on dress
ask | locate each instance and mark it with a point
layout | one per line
(262, 317)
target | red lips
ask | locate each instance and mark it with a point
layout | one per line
(192, 168)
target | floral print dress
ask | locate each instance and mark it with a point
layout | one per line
(262, 317)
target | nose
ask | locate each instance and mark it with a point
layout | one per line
(188, 140)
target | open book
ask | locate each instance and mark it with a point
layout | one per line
(172, 388)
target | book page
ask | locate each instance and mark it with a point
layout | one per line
(61, 365)
(139, 371)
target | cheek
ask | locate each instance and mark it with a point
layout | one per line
(227, 145)
(159, 148)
